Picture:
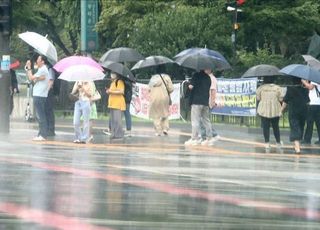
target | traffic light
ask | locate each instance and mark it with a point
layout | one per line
(240, 2)
(5, 17)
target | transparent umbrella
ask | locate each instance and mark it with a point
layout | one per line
(41, 44)
(262, 70)
(121, 54)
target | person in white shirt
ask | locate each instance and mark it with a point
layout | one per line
(40, 93)
(313, 111)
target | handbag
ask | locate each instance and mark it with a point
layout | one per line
(170, 100)
(96, 96)
(74, 97)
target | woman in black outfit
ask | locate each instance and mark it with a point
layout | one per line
(297, 98)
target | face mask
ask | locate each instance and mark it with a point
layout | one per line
(113, 76)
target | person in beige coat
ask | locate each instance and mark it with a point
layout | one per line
(270, 96)
(160, 88)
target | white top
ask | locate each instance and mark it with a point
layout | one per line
(41, 88)
(314, 94)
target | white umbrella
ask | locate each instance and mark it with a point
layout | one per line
(81, 73)
(41, 44)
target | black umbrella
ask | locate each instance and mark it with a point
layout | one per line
(221, 62)
(119, 69)
(303, 72)
(152, 61)
(262, 71)
(121, 54)
(197, 62)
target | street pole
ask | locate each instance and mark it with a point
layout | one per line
(5, 82)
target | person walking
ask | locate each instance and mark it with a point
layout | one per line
(297, 98)
(117, 105)
(313, 111)
(82, 108)
(160, 88)
(269, 96)
(40, 93)
(200, 100)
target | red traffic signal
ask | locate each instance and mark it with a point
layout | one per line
(240, 2)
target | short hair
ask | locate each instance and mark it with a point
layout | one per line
(44, 59)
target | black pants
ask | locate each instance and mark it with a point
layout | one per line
(297, 121)
(313, 117)
(50, 113)
(266, 128)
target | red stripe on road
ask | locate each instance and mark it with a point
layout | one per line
(48, 219)
(171, 189)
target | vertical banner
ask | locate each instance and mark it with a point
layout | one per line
(141, 98)
(236, 97)
(89, 18)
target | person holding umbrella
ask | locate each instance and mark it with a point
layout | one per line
(200, 100)
(160, 88)
(82, 107)
(270, 96)
(313, 111)
(117, 105)
(40, 93)
(297, 98)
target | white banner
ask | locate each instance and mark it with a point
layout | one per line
(140, 101)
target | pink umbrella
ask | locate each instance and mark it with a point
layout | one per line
(64, 63)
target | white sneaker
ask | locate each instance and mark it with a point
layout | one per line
(280, 145)
(267, 146)
(90, 139)
(193, 142)
(128, 133)
(38, 138)
(216, 138)
(205, 142)
(107, 132)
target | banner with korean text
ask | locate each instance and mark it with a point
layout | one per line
(236, 97)
(140, 101)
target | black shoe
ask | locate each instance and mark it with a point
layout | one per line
(165, 133)
(317, 143)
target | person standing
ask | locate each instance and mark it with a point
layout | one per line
(13, 88)
(40, 93)
(160, 88)
(128, 98)
(212, 104)
(200, 101)
(270, 96)
(82, 108)
(117, 105)
(297, 98)
(313, 111)
(50, 104)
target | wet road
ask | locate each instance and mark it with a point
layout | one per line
(148, 182)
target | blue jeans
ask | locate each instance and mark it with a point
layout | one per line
(40, 107)
(81, 108)
(127, 117)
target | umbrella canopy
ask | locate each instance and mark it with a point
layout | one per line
(303, 72)
(197, 62)
(81, 73)
(121, 54)
(41, 44)
(222, 62)
(64, 63)
(262, 71)
(314, 63)
(119, 69)
(152, 61)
